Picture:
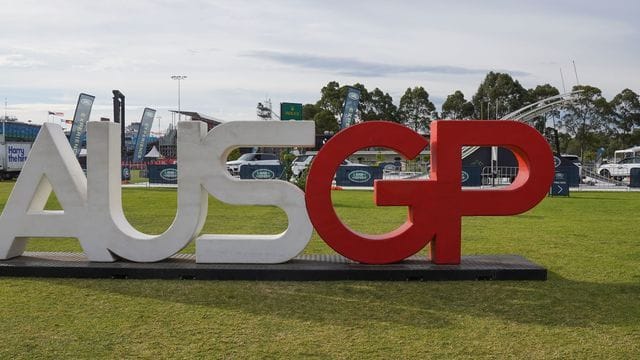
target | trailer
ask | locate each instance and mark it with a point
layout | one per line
(13, 156)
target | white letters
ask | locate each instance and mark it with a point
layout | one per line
(105, 198)
(93, 207)
(216, 179)
(51, 165)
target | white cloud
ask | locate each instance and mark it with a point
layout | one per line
(51, 51)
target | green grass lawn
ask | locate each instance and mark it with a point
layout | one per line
(588, 308)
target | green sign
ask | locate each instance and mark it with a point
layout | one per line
(290, 111)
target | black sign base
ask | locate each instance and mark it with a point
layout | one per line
(302, 268)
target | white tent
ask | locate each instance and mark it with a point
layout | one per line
(153, 154)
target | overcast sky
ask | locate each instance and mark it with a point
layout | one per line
(237, 53)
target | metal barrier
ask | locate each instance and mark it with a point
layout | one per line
(591, 177)
(499, 175)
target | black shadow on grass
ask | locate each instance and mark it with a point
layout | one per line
(556, 302)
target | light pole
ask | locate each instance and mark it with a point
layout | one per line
(179, 78)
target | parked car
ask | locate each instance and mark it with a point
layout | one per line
(620, 169)
(251, 159)
(303, 161)
(300, 163)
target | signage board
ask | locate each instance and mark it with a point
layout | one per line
(357, 175)
(260, 172)
(560, 185)
(163, 174)
(350, 108)
(79, 124)
(16, 155)
(435, 206)
(140, 149)
(290, 111)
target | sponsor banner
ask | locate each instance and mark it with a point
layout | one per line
(260, 172)
(17, 155)
(80, 119)
(290, 111)
(140, 150)
(634, 178)
(350, 108)
(390, 166)
(125, 173)
(163, 174)
(560, 185)
(471, 176)
(357, 175)
(571, 170)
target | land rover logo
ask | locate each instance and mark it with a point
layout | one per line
(556, 161)
(354, 96)
(359, 176)
(169, 174)
(389, 167)
(86, 101)
(261, 174)
(465, 176)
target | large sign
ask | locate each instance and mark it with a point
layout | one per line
(93, 204)
(162, 174)
(17, 155)
(357, 175)
(80, 119)
(290, 111)
(144, 130)
(260, 172)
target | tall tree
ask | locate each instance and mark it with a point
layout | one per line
(379, 106)
(332, 97)
(457, 107)
(325, 121)
(497, 95)
(540, 93)
(587, 115)
(309, 111)
(416, 110)
(626, 110)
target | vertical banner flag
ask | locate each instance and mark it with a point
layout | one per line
(143, 134)
(80, 118)
(350, 107)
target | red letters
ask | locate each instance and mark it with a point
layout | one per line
(436, 205)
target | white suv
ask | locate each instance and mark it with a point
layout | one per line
(303, 161)
(251, 159)
(621, 169)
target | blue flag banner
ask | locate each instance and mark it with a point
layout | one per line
(80, 119)
(350, 107)
(144, 130)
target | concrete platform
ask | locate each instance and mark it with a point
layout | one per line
(302, 268)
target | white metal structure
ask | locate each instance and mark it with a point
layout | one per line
(529, 112)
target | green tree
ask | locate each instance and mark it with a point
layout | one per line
(457, 107)
(325, 121)
(332, 97)
(626, 111)
(379, 106)
(416, 110)
(586, 116)
(309, 111)
(540, 93)
(497, 95)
